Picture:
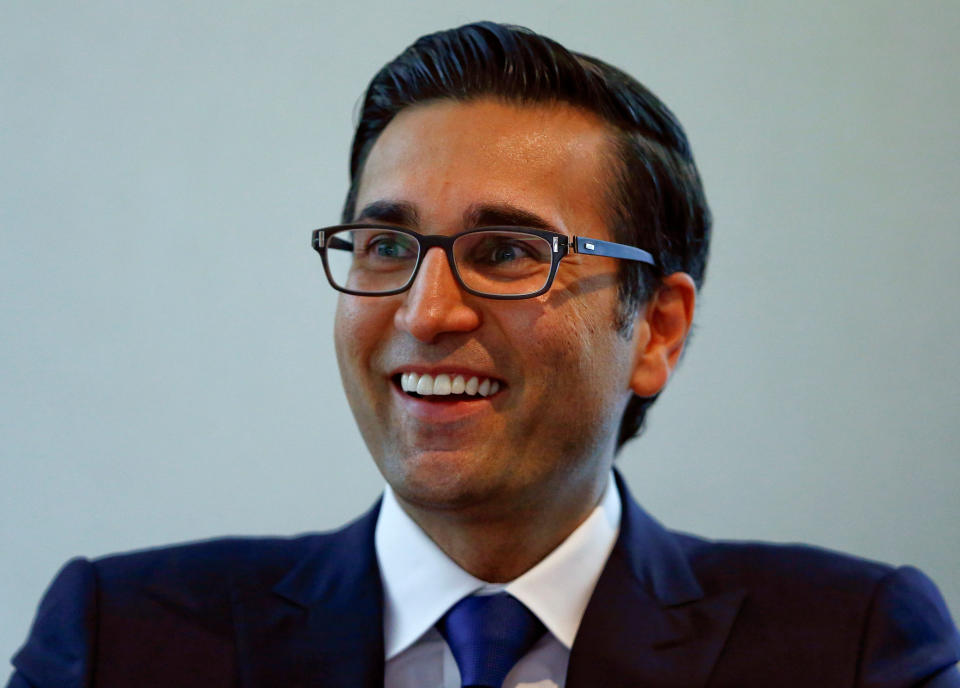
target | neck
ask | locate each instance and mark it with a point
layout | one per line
(498, 544)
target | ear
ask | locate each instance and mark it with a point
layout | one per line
(661, 333)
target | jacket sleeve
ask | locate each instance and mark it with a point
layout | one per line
(61, 644)
(909, 639)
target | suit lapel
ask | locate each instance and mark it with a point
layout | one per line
(648, 622)
(322, 625)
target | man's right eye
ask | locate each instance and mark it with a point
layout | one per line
(390, 246)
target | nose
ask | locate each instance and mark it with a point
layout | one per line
(435, 303)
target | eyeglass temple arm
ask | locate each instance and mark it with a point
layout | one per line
(320, 241)
(610, 249)
(337, 242)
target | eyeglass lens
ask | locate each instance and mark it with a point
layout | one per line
(376, 260)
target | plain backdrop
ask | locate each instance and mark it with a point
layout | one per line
(166, 361)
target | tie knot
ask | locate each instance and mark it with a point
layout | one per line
(488, 634)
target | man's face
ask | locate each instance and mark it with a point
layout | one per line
(563, 369)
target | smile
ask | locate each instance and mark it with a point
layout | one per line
(444, 384)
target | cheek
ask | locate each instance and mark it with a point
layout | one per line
(344, 324)
(355, 333)
(586, 332)
(593, 357)
(358, 333)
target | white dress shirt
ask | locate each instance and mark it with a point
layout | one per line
(420, 583)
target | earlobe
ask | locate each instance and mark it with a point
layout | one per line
(661, 333)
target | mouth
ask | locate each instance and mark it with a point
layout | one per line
(447, 387)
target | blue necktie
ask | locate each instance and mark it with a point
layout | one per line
(488, 634)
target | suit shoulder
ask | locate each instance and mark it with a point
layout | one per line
(120, 614)
(720, 564)
(886, 617)
(200, 573)
(200, 558)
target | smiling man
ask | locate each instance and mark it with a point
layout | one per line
(500, 478)
(524, 237)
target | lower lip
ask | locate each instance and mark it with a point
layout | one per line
(442, 411)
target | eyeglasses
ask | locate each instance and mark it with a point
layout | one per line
(493, 262)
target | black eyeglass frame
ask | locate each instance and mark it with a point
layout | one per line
(561, 245)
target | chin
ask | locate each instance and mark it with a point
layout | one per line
(440, 479)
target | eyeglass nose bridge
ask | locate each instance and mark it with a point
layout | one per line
(445, 244)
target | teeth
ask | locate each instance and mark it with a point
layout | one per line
(444, 384)
(425, 385)
(441, 386)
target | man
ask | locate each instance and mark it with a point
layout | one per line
(526, 234)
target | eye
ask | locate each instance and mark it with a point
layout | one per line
(501, 255)
(390, 245)
(503, 250)
(504, 253)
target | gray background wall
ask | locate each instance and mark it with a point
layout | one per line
(166, 366)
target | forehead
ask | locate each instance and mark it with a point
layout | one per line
(446, 156)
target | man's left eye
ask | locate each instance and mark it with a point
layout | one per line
(507, 252)
(500, 251)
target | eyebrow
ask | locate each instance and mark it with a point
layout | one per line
(405, 214)
(503, 215)
(390, 212)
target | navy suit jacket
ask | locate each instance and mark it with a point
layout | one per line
(669, 610)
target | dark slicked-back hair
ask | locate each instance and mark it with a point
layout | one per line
(656, 199)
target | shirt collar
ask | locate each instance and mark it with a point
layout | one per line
(420, 582)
